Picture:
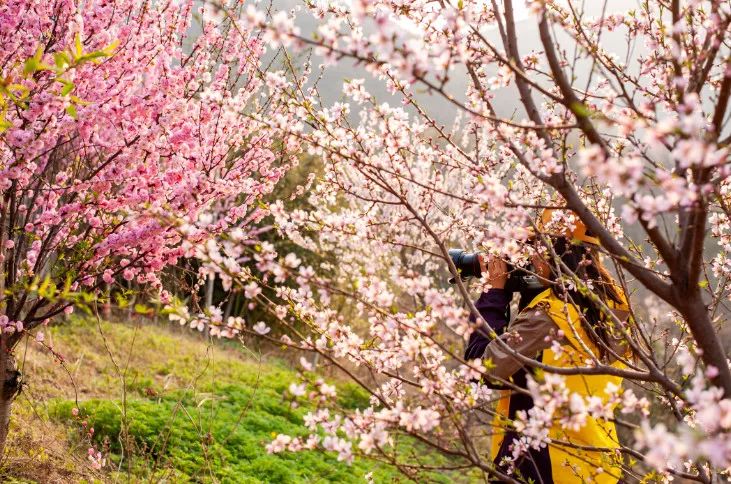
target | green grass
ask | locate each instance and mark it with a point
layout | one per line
(206, 442)
(218, 431)
(194, 412)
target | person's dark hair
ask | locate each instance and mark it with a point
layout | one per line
(575, 258)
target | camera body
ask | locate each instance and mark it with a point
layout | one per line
(523, 279)
(520, 279)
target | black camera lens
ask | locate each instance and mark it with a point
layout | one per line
(467, 264)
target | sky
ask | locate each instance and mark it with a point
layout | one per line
(506, 103)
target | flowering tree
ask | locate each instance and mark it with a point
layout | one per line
(121, 129)
(635, 142)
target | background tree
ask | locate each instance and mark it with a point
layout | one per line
(197, 287)
(124, 123)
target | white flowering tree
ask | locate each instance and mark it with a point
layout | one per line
(622, 118)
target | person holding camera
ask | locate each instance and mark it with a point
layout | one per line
(558, 325)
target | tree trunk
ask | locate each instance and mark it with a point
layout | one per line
(696, 316)
(209, 290)
(11, 384)
(229, 305)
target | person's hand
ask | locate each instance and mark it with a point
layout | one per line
(497, 271)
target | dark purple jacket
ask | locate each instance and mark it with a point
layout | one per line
(494, 306)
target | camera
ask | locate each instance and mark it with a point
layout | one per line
(467, 264)
(520, 279)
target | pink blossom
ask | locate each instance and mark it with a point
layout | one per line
(278, 444)
(305, 364)
(261, 328)
(297, 390)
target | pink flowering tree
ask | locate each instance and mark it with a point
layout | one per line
(620, 116)
(123, 125)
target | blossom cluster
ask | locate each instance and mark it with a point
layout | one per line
(129, 130)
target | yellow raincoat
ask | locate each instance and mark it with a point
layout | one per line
(569, 462)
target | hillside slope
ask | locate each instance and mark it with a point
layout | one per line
(182, 409)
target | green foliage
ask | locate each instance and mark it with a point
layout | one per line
(199, 412)
(213, 425)
(352, 396)
(217, 434)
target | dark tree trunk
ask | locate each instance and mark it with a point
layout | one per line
(696, 316)
(10, 379)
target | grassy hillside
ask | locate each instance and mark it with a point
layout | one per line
(183, 409)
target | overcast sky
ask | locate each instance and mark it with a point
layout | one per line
(506, 102)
